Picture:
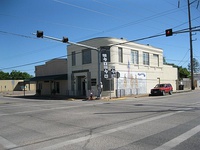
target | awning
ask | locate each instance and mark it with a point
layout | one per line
(50, 77)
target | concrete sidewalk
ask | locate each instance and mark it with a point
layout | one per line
(32, 95)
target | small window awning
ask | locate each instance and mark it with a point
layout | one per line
(50, 77)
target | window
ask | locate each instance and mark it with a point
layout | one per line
(86, 56)
(57, 87)
(73, 58)
(40, 86)
(120, 54)
(93, 82)
(155, 60)
(134, 57)
(145, 58)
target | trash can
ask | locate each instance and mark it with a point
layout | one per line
(181, 87)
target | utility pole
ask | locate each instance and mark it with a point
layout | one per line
(191, 49)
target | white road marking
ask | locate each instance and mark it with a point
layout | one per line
(85, 138)
(176, 141)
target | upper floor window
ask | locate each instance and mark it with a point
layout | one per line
(134, 57)
(145, 58)
(86, 56)
(73, 58)
(120, 54)
(155, 60)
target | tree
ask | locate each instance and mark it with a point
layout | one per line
(4, 76)
(196, 66)
(183, 72)
(164, 60)
(17, 75)
(14, 75)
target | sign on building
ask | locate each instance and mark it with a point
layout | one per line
(105, 65)
(112, 70)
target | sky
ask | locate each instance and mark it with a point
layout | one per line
(80, 20)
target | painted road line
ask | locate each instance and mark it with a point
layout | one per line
(89, 137)
(176, 141)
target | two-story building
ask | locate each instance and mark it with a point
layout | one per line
(139, 68)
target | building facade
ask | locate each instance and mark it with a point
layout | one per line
(16, 85)
(51, 78)
(140, 68)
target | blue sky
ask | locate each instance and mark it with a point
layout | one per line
(84, 19)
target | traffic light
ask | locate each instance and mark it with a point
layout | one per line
(168, 32)
(65, 40)
(39, 34)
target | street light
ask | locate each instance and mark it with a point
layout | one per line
(40, 34)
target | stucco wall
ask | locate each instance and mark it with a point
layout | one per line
(53, 67)
(15, 85)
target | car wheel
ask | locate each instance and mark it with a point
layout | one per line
(163, 93)
(170, 92)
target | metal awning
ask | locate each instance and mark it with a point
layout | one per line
(50, 77)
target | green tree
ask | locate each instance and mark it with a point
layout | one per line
(14, 75)
(4, 76)
(164, 60)
(183, 73)
(17, 75)
(196, 66)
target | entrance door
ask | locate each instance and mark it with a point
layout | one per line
(81, 86)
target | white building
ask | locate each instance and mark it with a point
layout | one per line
(140, 67)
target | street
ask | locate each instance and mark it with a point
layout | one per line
(145, 123)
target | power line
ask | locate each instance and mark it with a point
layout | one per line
(31, 63)
(136, 22)
(15, 34)
(80, 7)
(6, 68)
(157, 35)
(153, 36)
(184, 56)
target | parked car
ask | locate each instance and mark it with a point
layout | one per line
(162, 89)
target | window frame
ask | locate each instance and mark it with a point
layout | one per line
(120, 54)
(135, 57)
(73, 58)
(86, 56)
(146, 60)
(156, 59)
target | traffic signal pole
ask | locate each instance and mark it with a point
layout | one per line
(39, 34)
(191, 48)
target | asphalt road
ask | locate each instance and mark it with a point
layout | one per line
(146, 123)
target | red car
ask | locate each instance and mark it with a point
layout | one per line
(162, 89)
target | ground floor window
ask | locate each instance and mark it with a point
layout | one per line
(57, 87)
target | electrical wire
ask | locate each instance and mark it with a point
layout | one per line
(28, 64)
(15, 34)
(184, 57)
(80, 7)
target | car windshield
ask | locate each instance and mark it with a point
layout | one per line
(160, 85)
